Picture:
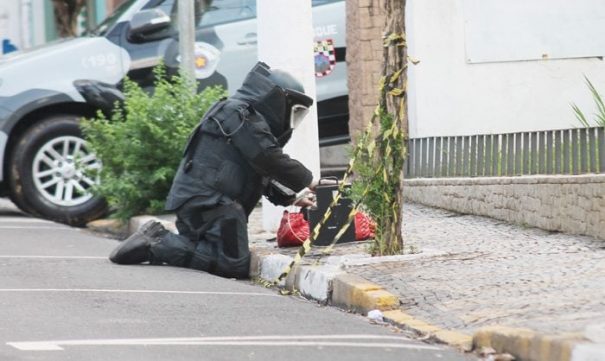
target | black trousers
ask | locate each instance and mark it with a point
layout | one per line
(214, 240)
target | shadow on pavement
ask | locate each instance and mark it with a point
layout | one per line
(8, 209)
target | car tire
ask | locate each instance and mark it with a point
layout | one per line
(46, 172)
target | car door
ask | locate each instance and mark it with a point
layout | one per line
(226, 43)
(144, 56)
(329, 22)
(330, 48)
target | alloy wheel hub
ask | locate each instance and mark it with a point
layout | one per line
(64, 171)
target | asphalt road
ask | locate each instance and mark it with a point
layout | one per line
(61, 299)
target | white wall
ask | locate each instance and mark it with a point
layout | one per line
(22, 22)
(290, 49)
(10, 18)
(448, 96)
(515, 30)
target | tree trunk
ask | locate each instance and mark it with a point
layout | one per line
(393, 101)
(66, 16)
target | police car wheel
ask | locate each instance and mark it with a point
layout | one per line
(52, 172)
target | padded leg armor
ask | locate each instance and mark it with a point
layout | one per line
(215, 241)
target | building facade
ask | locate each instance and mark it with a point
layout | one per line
(486, 66)
(492, 131)
(28, 23)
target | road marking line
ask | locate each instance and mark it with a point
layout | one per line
(301, 341)
(24, 220)
(93, 290)
(35, 346)
(53, 257)
(35, 228)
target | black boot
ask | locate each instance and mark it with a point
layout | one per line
(135, 249)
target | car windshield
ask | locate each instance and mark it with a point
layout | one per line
(109, 21)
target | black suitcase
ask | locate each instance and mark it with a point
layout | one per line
(340, 212)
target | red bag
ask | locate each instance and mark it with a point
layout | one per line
(365, 227)
(293, 230)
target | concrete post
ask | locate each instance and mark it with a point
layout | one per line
(285, 41)
(91, 15)
(100, 11)
(37, 23)
(26, 23)
(187, 37)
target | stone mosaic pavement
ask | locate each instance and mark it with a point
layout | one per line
(475, 271)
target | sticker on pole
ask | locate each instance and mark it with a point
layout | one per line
(206, 59)
(325, 57)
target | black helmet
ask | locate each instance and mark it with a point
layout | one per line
(277, 95)
(293, 88)
(297, 103)
(285, 80)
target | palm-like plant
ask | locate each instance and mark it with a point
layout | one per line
(599, 116)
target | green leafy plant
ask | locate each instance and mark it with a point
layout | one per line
(380, 161)
(381, 150)
(600, 104)
(141, 144)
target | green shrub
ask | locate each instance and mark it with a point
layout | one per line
(141, 145)
(378, 166)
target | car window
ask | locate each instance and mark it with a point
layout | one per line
(322, 2)
(168, 7)
(226, 11)
(106, 24)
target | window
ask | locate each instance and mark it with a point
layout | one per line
(323, 2)
(226, 11)
(111, 19)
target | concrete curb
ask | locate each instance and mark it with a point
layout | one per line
(136, 222)
(330, 284)
(108, 226)
(357, 294)
(453, 338)
(120, 230)
(527, 345)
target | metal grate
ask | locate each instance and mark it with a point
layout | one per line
(567, 151)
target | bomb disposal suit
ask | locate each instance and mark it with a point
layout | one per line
(232, 157)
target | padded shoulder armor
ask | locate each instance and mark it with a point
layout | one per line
(228, 120)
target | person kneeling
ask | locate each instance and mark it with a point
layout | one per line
(232, 158)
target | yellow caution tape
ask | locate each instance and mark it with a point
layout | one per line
(306, 246)
(393, 132)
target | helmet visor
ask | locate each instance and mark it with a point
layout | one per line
(297, 115)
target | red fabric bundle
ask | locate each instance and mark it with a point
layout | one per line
(294, 229)
(365, 228)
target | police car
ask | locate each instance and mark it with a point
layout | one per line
(45, 91)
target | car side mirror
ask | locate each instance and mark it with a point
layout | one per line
(147, 24)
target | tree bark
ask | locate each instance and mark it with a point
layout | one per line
(66, 16)
(394, 99)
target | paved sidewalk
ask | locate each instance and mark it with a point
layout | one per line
(475, 271)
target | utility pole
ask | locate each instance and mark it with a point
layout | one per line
(291, 49)
(91, 15)
(186, 15)
(26, 23)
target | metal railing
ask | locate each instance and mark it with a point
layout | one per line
(567, 151)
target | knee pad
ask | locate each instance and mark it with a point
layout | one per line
(230, 238)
